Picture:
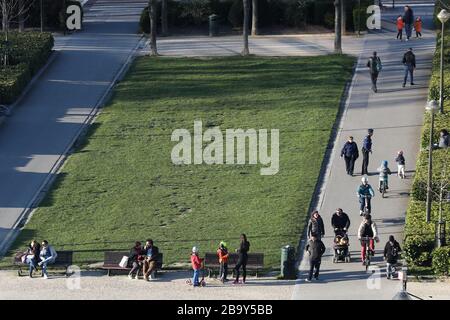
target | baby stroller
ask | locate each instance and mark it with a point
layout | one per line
(341, 244)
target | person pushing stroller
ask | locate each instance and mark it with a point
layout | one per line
(340, 222)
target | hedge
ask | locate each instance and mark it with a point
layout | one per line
(419, 235)
(29, 51)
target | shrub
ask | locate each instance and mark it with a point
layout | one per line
(441, 261)
(29, 51)
(417, 250)
(12, 81)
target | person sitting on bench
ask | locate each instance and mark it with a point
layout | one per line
(150, 261)
(135, 259)
(48, 256)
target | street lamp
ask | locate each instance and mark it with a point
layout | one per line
(431, 107)
(443, 16)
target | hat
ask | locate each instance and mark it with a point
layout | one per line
(194, 249)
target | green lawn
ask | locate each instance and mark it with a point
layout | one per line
(121, 185)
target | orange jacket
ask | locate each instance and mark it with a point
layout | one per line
(400, 23)
(223, 255)
(418, 25)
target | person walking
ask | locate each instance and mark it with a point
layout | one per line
(391, 254)
(244, 247)
(350, 154)
(47, 256)
(315, 226)
(418, 27)
(400, 164)
(409, 61)
(366, 149)
(444, 139)
(408, 18)
(316, 249)
(340, 221)
(400, 25)
(374, 65)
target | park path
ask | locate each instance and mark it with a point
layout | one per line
(46, 121)
(396, 115)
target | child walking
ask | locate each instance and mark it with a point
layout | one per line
(400, 165)
(196, 266)
(418, 27)
(400, 25)
(222, 253)
(384, 172)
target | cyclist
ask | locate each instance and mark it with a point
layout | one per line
(384, 172)
(364, 192)
(368, 228)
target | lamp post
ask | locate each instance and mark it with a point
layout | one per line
(443, 16)
(41, 4)
(359, 17)
(431, 107)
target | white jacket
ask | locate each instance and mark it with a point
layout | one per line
(374, 230)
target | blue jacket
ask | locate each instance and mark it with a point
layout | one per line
(365, 190)
(350, 149)
(367, 143)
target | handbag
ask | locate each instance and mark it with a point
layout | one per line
(124, 262)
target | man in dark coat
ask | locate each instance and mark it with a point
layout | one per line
(316, 249)
(340, 220)
(374, 65)
(350, 154)
(366, 149)
(409, 61)
(315, 226)
(408, 19)
(391, 255)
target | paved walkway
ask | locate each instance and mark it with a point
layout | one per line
(277, 45)
(45, 122)
(396, 115)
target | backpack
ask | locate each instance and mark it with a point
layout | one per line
(378, 65)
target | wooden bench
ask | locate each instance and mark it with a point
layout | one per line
(63, 261)
(255, 262)
(113, 258)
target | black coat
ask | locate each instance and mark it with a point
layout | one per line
(316, 249)
(340, 222)
(391, 252)
(350, 150)
(155, 252)
(316, 227)
(409, 59)
(408, 17)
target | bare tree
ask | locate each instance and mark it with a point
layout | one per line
(164, 22)
(245, 51)
(337, 27)
(152, 15)
(254, 17)
(11, 10)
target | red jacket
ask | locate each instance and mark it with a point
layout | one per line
(196, 262)
(400, 23)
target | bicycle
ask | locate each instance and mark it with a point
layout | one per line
(367, 208)
(367, 251)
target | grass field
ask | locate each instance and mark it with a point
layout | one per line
(120, 185)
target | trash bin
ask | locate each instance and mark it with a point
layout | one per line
(213, 25)
(288, 263)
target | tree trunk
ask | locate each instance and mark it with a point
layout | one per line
(337, 27)
(152, 15)
(245, 51)
(164, 22)
(21, 17)
(343, 17)
(254, 17)
(4, 16)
